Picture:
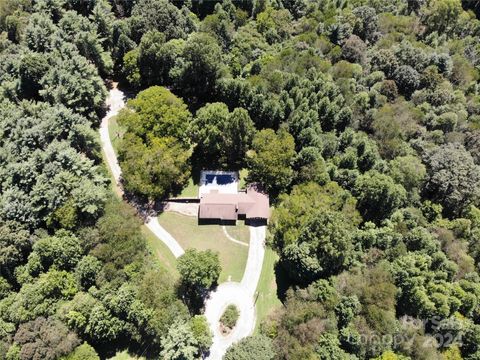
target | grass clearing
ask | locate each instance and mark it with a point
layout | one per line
(191, 190)
(242, 184)
(161, 252)
(189, 234)
(267, 300)
(239, 232)
(116, 133)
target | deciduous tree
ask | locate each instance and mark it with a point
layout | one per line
(155, 170)
(323, 248)
(156, 112)
(270, 160)
(378, 195)
(46, 339)
(452, 178)
(222, 137)
(15, 243)
(179, 343)
(257, 347)
(199, 269)
(200, 68)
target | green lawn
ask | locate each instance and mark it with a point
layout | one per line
(124, 355)
(243, 175)
(190, 190)
(239, 232)
(267, 300)
(189, 234)
(165, 258)
(116, 133)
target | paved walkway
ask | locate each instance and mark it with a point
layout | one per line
(241, 294)
(160, 232)
(256, 252)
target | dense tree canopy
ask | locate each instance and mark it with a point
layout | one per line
(256, 347)
(222, 137)
(378, 195)
(163, 16)
(155, 151)
(74, 265)
(270, 160)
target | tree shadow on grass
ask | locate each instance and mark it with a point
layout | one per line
(196, 170)
(283, 282)
(193, 297)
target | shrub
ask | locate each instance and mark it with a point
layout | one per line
(230, 317)
(258, 347)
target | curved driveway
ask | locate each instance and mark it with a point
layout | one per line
(241, 294)
(115, 102)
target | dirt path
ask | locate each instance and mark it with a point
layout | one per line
(241, 294)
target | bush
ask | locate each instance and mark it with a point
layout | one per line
(230, 317)
(258, 347)
(83, 352)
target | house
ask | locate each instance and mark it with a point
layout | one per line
(224, 203)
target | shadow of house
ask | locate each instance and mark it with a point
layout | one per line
(216, 222)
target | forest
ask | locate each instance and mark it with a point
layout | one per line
(360, 118)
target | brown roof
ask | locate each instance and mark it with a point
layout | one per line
(218, 211)
(252, 204)
(261, 207)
